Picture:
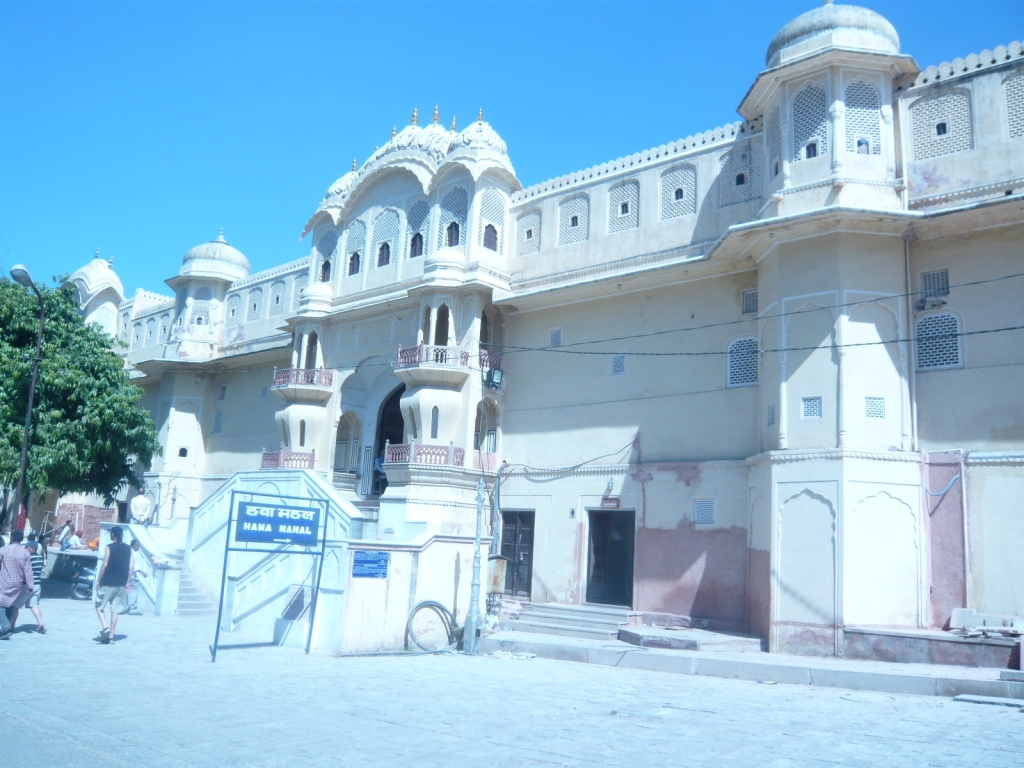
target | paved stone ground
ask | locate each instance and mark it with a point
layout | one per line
(155, 699)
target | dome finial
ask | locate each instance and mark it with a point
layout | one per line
(394, 130)
(480, 115)
(453, 123)
(415, 115)
(355, 165)
(97, 254)
(220, 236)
(437, 115)
(828, 2)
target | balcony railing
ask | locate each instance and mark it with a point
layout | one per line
(432, 355)
(489, 360)
(288, 460)
(418, 453)
(312, 377)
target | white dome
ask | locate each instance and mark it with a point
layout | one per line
(341, 187)
(846, 26)
(215, 259)
(480, 135)
(95, 277)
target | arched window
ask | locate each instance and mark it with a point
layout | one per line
(679, 193)
(743, 362)
(741, 179)
(434, 418)
(416, 246)
(452, 235)
(353, 263)
(384, 255)
(311, 345)
(810, 121)
(325, 272)
(490, 237)
(441, 327)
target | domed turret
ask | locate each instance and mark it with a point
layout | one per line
(215, 259)
(99, 293)
(840, 26)
(479, 147)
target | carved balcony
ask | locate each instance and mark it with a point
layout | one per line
(432, 366)
(304, 384)
(420, 453)
(288, 460)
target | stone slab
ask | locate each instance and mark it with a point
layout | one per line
(998, 701)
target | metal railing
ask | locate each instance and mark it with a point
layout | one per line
(315, 377)
(432, 355)
(489, 360)
(418, 453)
(288, 460)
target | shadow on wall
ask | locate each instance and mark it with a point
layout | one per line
(691, 572)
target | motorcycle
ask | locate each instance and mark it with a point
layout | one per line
(82, 583)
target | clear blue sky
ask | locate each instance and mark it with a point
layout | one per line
(140, 128)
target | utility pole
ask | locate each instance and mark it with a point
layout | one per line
(470, 642)
(21, 276)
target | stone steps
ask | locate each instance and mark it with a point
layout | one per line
(584, 621)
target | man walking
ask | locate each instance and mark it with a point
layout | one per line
(37, 575)
(112, 583)
(16, 582)
(136, 582)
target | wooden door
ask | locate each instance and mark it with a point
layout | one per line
(517, 546)
(610, 567)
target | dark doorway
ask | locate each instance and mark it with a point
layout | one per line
(311, 342)
(610, 570)
(390, 429)
(517, 546)
(441, 327)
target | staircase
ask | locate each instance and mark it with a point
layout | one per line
(192, 598)
(591, 622)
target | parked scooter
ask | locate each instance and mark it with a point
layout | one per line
(82, 583)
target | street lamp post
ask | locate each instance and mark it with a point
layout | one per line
(470, 642)
(21, 276)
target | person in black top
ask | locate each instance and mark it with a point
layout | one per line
(112, 583)
(37, 574)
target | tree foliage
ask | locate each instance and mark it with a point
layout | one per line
(90, 433)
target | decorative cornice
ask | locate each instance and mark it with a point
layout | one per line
(270, 274)
(832, 454)
(1001, 54)
(1004, 458)
(977, 191)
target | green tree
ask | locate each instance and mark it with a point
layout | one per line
(90, 434)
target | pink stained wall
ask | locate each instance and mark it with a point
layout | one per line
(691, 572)
(948, 587)
(759, 590)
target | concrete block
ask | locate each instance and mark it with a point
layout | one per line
(991, 700)
(291, 633)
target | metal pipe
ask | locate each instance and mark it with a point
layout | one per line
(470, 644)
(495, 547)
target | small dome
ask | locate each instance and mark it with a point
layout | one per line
(94, 277)
(341, 186)
(480, 135)
(847, 26)
(217, 250)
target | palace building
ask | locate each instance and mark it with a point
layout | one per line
(767, 376)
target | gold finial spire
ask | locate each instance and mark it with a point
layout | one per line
(355, 166)
(437, 115)
(97, 254)
(480, 115)
(415, 115)
(394, 130)
(453, 123)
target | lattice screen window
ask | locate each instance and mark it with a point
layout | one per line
(150, 332)
(618, 365)
(739, 177)
(771, 415)
(528, 233)
(276, 299)
(165, 324)
(941, 125)
(742, 361)
(1015, 105)
(863, 117)
(124, 326)
(773, 136)
(934, 284)
(355, 242)
(385, 232)
(810, 407)
(137, 336)
(810, 122)
(678, 191)
(704, 511)
(418, 220)
(234, 310)
(750, 302)
(201, 307)
(218, 421)
(325, 249)
(492, 211)
(555, 337)
(254, 307)
(624, 206)
(874, 407)
(938, 341)
(454, 208)
(573, 220)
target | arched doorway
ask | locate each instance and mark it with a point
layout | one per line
(441, 327)
(390, 428)
(311, 343)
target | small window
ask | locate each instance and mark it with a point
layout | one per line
(383, 255)
(218, 420)
(231, 312)
(555, 337)
(574, 221)
(810, 407)
(452, 234)
(750, 302)
(302, 433)
(938, 341)
(941, 129)
(492, 441)
(199, 320)
(222, 392)
(771, 415)
(624, 209)
(491, 237)
(353, 263)
(874, 407)
(742, 363)
(704, 511)
(529, 234)
(182, 453)
(811, 150)
(863, 147)
(679, 194)
(618, 366)
(741, 179)
(264, 393)
(277, 300)
(775, 169)
(325, 272)
(935, 284)
(435, 417)
(416, 246)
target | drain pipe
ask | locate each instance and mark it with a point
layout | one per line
(496, 512)
(909, 236)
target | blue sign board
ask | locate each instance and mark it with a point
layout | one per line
(370, 565)
(275, 524)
